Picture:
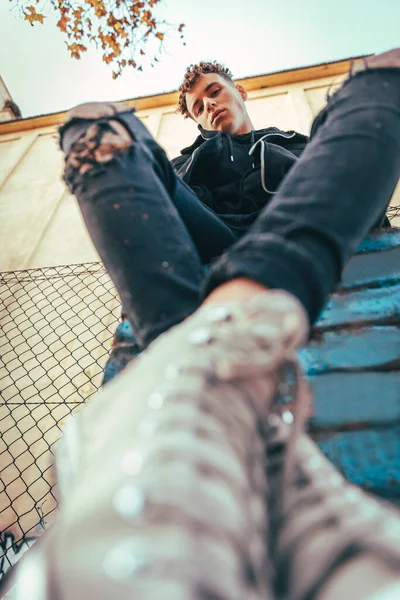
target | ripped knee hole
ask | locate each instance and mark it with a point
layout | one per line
(100, 144)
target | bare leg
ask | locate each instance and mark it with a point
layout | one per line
(362, 578)
(237, 290)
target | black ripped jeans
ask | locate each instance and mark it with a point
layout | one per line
(155, 236)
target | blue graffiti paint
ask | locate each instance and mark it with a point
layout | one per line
(370, 347)
(372, 270)
(346, 400)
(380, 240)
(369, 458)
(364, 306)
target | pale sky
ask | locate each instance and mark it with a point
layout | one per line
(250, 36)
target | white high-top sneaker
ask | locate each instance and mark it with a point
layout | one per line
(162, 476)
(318, 522)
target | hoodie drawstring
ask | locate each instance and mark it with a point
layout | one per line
(230, 147)
(262, 154)
(252, 144)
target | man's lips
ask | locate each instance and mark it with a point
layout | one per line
(217, 115)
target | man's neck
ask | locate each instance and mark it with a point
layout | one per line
(246, 127)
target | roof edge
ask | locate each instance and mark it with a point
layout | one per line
(267, 80)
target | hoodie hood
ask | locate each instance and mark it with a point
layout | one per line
(237, 175)
(254, 135)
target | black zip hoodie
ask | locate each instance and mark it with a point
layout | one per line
(237, 175)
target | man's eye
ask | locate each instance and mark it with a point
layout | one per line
(215, 92)
(200, 111)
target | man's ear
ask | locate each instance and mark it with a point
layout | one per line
(241, 91)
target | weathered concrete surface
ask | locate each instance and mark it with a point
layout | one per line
(353, 363)
(368, 457)
(374, 269)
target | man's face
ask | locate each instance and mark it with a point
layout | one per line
(217, 104)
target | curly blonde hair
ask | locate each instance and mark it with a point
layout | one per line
(192, 75)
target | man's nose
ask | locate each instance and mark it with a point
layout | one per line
(211, 104)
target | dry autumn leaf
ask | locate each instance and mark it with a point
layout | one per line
(76, 49)
(62, 23)
(109, 58)
(32, 16)
(121, 29)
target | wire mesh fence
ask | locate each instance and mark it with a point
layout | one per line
(393, 212)
(56, 330)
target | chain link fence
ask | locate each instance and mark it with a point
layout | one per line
(393, 212)
(56, 331)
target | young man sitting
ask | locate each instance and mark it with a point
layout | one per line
(275, 218)
(239, 200)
